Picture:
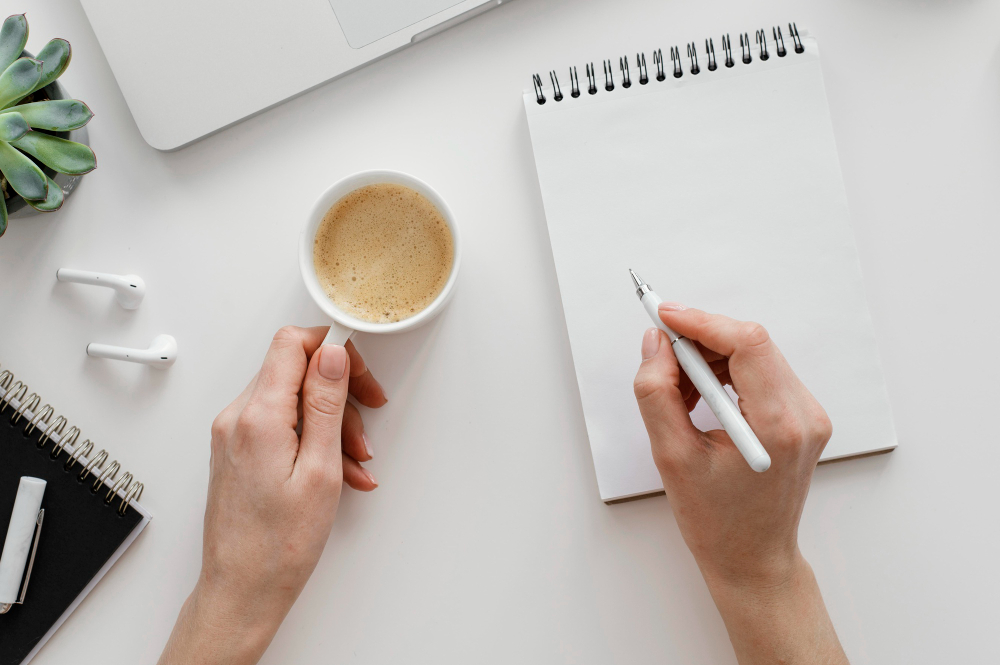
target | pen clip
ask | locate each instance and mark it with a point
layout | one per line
(34, 550)
(4, 608)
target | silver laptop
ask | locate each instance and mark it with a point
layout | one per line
(188, 68)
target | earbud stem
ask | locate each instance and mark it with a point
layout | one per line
(87, 277)
(161, 354)
(129, 289)
(119, 353)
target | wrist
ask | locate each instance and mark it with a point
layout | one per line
(217, 627)
(778, 620)
(249, 618)
(762, 595)
(773, 574)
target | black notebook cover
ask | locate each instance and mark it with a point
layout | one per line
(80, 532)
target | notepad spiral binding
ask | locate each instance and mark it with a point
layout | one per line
(677, 63)
(62, 440)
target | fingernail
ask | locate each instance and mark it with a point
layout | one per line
(368, 445)
(358, 368)
(371, 477)
(671, 307)
(332, 362)
(650, 343)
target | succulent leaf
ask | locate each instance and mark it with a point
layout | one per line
(56, 115)
(64, 156)
(13, 37)
(22, 174)
(55, 57)
(18, 80)
(53, 199)
(12, 126)
(3, 215)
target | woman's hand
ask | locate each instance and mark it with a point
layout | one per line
(742, 526)
(273, 494)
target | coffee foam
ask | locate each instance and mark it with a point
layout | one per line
(383, 253)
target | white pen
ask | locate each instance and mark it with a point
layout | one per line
(21, 542)
(707, 384)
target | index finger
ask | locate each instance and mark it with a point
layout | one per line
(716, 332)
(363, 385)
(284, 368)
(759, 373)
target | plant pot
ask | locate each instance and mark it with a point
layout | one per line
(17, 208)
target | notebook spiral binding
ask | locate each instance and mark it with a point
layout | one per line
(748, 49)
(125, 487)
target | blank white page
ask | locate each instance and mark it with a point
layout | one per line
(723, 191)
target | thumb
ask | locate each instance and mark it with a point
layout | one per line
(657, 390)
(324, 397)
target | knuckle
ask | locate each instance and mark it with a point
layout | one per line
(287, 334)
(325, 402)
(648, 384)
(702, 320)
(248, 422)
(665, 462)
(789, 432)
(822, 426)
(753, 334)
(806, 429)
(324, 478)
(221, 426)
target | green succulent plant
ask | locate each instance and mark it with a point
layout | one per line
(30, 120)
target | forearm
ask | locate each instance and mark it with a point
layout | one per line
(212, 631)
(786, 622)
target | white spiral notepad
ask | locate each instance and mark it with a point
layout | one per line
(714, 174)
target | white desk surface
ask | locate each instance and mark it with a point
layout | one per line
(487, 541)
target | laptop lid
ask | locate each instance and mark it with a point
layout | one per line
(367, 21)
(188, 68)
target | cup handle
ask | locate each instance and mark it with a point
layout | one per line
(338, 334)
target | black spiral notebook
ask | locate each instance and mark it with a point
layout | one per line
(91, 507)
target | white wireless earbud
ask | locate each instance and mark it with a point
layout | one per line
(129, 289)
(162, 352)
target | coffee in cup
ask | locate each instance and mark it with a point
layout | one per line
(396, 241)
(383, 253)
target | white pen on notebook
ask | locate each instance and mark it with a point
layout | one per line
(21, 542)
(707, 384)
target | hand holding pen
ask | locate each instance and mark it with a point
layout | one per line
(704, 381)
(741, 526)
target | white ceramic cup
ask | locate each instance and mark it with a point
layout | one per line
(344, 325)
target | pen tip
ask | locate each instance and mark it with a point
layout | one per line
(635, 278)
